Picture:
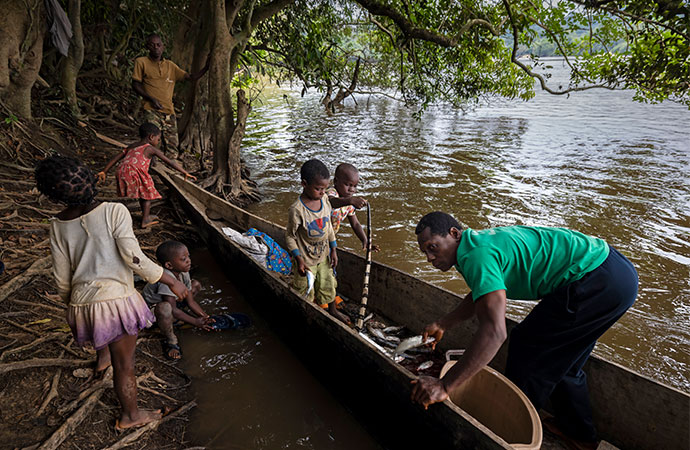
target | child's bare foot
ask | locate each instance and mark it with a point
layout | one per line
(152, 220)
(139, 419)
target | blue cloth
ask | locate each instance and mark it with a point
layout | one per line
(277, 260)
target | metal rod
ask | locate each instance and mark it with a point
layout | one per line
(365, 286)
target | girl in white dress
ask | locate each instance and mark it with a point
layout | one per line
(94, 252)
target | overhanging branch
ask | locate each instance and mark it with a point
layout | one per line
(528, 71)
(412, 31)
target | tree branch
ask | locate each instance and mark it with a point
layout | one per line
(528, 71)
(269, 10)
(414, 32)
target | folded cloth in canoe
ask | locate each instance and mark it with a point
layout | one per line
(262, 248)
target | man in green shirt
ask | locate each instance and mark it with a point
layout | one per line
(583, 285)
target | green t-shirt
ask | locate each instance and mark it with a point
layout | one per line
(528, 262)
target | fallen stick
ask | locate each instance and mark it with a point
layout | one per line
(71, 423)
(132, 437)
(181, 372)
(42, 362)
(53, 299)
(20, 280)
(53, 392)
(30, 345)
(160, 394)
(42, 305)
(36, 333)
(109, 140)
(105, 383)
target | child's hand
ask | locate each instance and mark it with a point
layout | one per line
(301, 267)
(100, 176)
(188, 175)
(334, 257)
(204, 323)
(358, 202)
(374, 247)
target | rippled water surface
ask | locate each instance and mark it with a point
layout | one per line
(595, 162)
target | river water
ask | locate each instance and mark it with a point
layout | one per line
(252, 391)
(594, 161)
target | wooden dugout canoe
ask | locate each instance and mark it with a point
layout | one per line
(631, 411)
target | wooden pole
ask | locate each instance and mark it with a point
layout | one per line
(365, 287)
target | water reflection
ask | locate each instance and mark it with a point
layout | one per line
(594, 161)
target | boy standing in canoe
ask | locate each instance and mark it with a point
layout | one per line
(344, 203)
(584, 285)
(311, 240)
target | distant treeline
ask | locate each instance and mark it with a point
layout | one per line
(542, 45)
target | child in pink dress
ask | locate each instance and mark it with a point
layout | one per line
(94, 252)
(133, 178)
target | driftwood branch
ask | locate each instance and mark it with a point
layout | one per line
(20, 280)
(36, 333)
(62, 433)
(53, 392)
(42, 362)
(30, 345)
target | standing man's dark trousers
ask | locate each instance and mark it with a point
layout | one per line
(548, 349)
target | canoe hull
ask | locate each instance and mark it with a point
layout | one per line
(630, 411)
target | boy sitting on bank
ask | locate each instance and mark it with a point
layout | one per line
(174, 257)
(310, 238)
(344, 202)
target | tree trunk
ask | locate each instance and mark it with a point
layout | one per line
(21, 51)
(234, 162)
(220, 104)
(71, 64)
(191, 50)
(342, 92)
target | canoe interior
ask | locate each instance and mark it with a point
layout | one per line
(631, 411)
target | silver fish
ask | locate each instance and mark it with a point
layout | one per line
(401, 357)
(425, 365)
(413, 342)
(381, 335)
(389, 330)
(310, 281)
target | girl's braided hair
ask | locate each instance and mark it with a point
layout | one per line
(66, 180)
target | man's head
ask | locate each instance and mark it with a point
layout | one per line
(155, 46)
(345, 180)
(315, 179)
(438, 236)
(174, 256)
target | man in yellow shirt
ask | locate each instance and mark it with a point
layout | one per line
(154, 80)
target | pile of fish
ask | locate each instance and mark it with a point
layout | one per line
(387, 339)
